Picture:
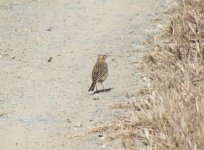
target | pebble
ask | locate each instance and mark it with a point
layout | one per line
(50, 59)
(95, 98)
(79, 125)
(68, 121)
(49, 29)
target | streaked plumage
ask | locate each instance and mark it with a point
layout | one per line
(100, 72)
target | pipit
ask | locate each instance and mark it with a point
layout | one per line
(100, 72)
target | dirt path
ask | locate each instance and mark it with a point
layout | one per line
(45, 105)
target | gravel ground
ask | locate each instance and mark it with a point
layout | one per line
(48, 49)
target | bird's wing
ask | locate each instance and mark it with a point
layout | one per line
(99, 71)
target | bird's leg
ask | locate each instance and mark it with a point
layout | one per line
(96, 88)
(102, 86)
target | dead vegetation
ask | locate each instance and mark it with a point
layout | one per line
(169, 114)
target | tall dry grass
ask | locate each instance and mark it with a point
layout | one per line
(169, 114)
(176, 70)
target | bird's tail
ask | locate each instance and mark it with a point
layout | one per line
(92, 86)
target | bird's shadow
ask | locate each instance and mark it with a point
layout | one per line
(100, 91)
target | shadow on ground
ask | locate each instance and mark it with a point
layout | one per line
(101, 91)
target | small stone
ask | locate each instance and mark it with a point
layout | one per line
(49, 29)
(102, 137)
(96, 98)
(50, 59)
(68, 121)
(79, 125)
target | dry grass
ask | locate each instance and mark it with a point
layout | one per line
(176, 70)
(169, 114)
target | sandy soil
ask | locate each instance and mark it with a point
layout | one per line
(48, 49)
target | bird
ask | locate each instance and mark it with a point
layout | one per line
(99, 72)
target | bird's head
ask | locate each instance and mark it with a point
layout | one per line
(102, 58)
